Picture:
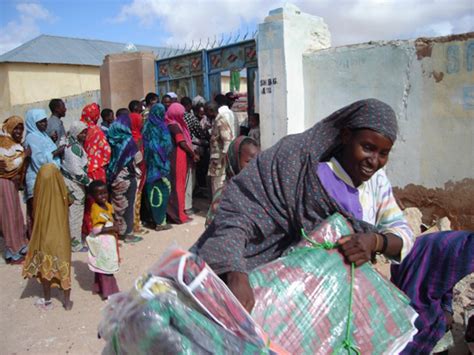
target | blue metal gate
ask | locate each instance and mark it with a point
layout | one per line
(199, 72)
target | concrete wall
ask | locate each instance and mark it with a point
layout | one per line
(74, 105)
(125, 77)
(4, 91)
(430, 84)
(432, 94)
(284, 36)
(24, 83)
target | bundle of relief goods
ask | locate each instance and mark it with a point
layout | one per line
(311, 302)
(181, 306)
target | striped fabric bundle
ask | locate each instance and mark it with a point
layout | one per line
(303, 301)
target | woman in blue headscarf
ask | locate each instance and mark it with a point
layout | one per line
(158, 147)
(43, 151)
(122, 175)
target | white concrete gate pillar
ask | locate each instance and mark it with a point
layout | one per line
(284, 36)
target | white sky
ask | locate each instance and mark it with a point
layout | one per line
(349, 21)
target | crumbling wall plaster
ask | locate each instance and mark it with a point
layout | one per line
(453, 200)
(430, 85)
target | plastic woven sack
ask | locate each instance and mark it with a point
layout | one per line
(182, 307)
(303, 301)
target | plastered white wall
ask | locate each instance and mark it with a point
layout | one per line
(283, 37)
(432, 94)
(74, 105)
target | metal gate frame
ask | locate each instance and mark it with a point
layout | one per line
(200, 71)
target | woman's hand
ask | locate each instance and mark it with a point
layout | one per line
(27, 152)
(113, 229)
(238, 283)
(59, 151)
(196, 157)
(358, 248)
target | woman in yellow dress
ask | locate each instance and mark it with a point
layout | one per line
(49, 252)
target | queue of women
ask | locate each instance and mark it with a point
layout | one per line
(336, 166)
(92, 187)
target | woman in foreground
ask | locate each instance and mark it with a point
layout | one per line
(49, 251)
(336, 166)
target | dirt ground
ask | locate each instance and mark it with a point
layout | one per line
(28, 330)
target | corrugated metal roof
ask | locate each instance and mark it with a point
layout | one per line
(65, 50)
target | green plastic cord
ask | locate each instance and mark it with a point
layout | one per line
(348, 342)
(324, 245)
(266, 350)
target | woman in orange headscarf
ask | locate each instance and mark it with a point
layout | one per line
(98, 154)
(96, 145)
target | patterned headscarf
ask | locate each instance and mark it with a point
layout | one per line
(6, 140)
(158, 144)
(264, 207)
(123, 146)
(232, 169)
(175, 116)
(10, 123)
(96, 145)
(233, 155)
(90, 114)
(76, 128)
(11, 152)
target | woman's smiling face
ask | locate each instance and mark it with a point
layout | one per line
(364, 152)
(17, 133)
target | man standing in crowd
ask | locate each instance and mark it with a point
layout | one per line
(224, 110)
(55, 124)
(166, 101)
(198, 136)
(222, 134)
(173, 96)
(107, 118)
(150, 99)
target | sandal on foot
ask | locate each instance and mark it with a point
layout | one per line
(142, 231)
(163, 227)
(44, 305)
(132, 239)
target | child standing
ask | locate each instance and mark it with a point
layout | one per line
(107, 118)
(102, 242)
